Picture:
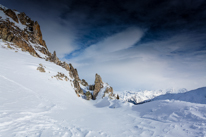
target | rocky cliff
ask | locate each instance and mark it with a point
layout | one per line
(18, 30)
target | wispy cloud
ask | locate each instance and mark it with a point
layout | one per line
(172, 63)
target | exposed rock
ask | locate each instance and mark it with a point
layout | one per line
(54, 58)
(91, 87)
(22, 38)
(84, 83)
(22, 17)
(25, 20)
(38, 34)
(77, 87)
(88, 95)
(66, 66)
(11, 14)
(98, 85)
(109, 90)
(73, 73)
(61, 76)
(41, 68)
(117, 96)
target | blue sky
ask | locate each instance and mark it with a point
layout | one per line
(151, 44)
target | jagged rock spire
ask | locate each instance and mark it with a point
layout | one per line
(98, 85)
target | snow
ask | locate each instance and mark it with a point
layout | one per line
(34, 104)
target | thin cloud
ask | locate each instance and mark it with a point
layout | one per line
(154, 65)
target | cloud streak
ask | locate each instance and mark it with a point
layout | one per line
(154, 65)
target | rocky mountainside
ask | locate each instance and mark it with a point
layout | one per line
(20, 31)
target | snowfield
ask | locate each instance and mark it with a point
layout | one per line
(33, 104)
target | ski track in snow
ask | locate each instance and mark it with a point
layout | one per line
(19, 85)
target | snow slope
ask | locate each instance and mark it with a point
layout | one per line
(36, 105)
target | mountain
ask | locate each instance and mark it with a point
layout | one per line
(41, 96)
(18, 31)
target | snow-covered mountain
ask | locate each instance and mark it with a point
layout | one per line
(139, 97)
(40, 96)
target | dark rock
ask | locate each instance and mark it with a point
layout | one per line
(11, 14)
(117, 96)
(23, 18)
(91, 87)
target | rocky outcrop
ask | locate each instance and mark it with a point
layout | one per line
(41, 68)
(61, 76)
(88, 95)
(11, 14)
(38, 34)
(98, 85)
(84, 83)
(109, 91)
(23, 18)
(10, 33)
(66, 66)
(73, 73)
(53, 58)
(22, 38)
(91, 87)
(77, 87)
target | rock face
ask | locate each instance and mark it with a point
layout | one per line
(38, 34)
(98, 85)
(22, 37)
(11, 14)
(73, 73)
(77, 87)
(66, 66)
